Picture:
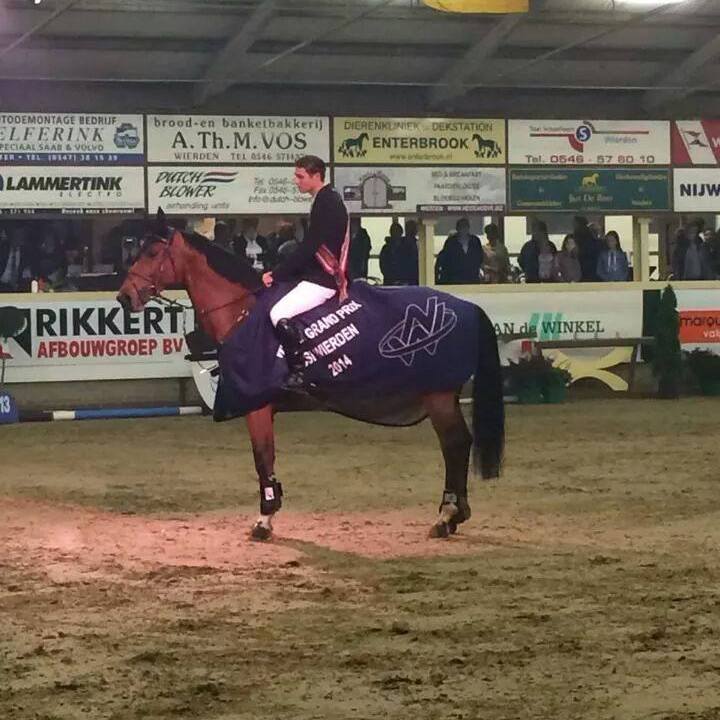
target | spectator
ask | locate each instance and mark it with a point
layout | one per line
(51, 263)
(221, 236)
(612, 264)
(713, 248)
(497, 260)
(678, 254)
(360, 247)
(286, 241)
(537, 256)
(697, 263)
(389, 265)
(589, 246)
(567, 262)
(250, 245)
(461, 259)
(15, 261)
(407, 256)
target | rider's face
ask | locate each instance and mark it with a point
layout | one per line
(305, 181)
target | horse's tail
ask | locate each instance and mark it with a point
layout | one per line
(488, 406)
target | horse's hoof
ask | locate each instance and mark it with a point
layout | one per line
(440, 530)
(260, 533)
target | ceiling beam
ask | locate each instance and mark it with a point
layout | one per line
(234, 52)
(452, 83)
(681, 77)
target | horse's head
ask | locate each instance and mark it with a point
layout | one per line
(159, 265)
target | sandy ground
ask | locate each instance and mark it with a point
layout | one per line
(585, 585)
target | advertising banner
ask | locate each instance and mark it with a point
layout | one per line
(97, 340)
(588, 142)
(564, 315)
(696, 142)
(71, 139)
(697, 189)
(71, 190)
(404, 189)
(699, 319)
(206, 189)
(418, 141)
(238, 139)
(589, 189)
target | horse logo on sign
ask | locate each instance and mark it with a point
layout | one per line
(418, 330)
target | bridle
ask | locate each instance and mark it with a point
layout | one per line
(155, 294)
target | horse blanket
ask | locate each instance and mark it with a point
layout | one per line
(371, 357)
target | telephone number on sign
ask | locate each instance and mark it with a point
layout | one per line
(578, 159)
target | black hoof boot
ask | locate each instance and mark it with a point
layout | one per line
(260, 532)
(453, 511)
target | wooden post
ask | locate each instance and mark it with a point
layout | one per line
(641, 248)
(427, 251)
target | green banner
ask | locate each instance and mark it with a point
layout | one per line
(617, 190)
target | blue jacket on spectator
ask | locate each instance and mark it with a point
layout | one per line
(612, 266)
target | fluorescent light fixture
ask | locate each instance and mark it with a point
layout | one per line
(656, 3)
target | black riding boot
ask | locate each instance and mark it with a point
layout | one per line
(291, 340)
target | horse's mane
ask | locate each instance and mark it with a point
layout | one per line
(224, 263)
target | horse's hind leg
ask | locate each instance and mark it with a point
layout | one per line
(260, 425)
(455, 441)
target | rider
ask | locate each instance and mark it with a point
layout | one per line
(319, 263)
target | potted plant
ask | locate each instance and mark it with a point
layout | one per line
(536, 379)
(667, 360)
(705, 366)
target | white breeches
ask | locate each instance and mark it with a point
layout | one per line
(305, 296)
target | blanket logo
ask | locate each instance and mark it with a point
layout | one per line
(420, 329)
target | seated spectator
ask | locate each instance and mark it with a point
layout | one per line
(612, 264)
(567, 261)
(389, 255)
(537, 256)
(360, 246)
(497, 260)
(250, 245)
(407, 256)
(461, 259)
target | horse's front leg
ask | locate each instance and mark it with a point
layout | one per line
(262, 437)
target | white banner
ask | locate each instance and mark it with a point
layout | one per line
(71, 139)
(239, 139)
(588, 142)
(201, 190)
(402, 189)
(71, 190)
(696, 189)
(97, 340)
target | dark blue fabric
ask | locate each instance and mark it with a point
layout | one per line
(379, 342)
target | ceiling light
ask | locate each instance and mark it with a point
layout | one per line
(656, 3)
(479, 6)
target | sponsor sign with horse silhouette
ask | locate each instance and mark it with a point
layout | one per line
(589, 189)
(404, 189)
(418, 141)
(589, 142)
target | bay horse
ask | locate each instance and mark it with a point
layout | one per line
(224, 289)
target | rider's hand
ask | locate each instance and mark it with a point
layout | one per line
(267, 279)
